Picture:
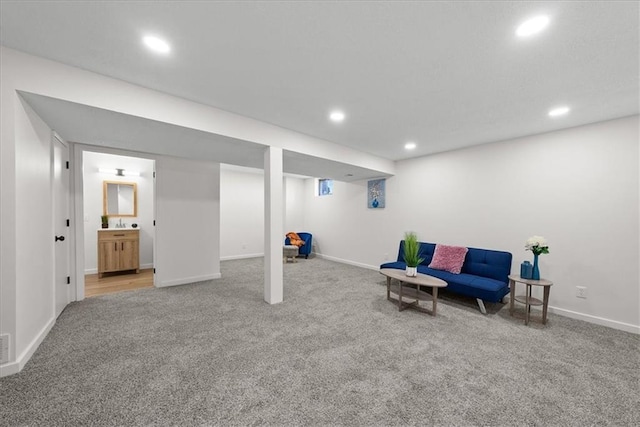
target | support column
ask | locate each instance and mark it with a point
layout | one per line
(273, 225)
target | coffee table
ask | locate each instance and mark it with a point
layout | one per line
(415, 294)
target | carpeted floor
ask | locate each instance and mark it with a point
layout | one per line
(336, 352)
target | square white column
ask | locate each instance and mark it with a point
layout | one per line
(273, 225)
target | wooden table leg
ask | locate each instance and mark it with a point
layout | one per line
(512, 291)
(545, 304)
(435, 299)
(400, 295)
(388, 288)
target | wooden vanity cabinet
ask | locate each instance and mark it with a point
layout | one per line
(118, 250)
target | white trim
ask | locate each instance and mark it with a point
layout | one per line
(20, 362)
(345, 261)
(614, 324)
(232, 257)
(627, 327)
(189, 280)
(95, 270)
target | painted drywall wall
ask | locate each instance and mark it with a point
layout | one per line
(187, 221)
(576, 187)
(34, 225)
(242, 211)
(241, 214)
(93, 203)
(294, 204)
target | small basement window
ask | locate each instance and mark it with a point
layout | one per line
(325, 187)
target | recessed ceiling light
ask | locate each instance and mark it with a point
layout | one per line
(336, 116)
(156, 44)
(410, 145)
(559, 111)
(532, 26)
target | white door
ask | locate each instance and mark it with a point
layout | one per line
(60, 225)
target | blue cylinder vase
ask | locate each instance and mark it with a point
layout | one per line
(526, 270)
(536, 270)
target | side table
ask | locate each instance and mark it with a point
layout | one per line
(527, 299)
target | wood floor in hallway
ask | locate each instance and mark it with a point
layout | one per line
(117, 282)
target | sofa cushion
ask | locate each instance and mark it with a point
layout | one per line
(488, 263)
(448, 258)
(397, 265)
(468, 284)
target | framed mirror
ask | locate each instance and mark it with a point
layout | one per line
(119, 198)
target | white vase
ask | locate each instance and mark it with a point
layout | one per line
(412, 271)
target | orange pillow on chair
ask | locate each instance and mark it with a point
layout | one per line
(294, 239)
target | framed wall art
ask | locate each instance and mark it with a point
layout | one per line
(376, 194)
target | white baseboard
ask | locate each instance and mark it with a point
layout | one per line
(17, 365)
(95, 270)
(232, 257)
(346, 261)
(627, 327)
(188, 280)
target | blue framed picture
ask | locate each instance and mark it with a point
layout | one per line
(376, 194)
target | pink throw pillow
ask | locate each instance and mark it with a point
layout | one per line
(448, 258)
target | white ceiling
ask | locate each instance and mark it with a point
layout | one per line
(443, 74)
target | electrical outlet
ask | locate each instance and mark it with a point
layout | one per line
(581, 291)
(4, 348)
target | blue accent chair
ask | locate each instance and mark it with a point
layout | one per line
(306, 248)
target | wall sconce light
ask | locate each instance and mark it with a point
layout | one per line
(119, 172)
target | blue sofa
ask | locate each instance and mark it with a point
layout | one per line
(484, 274)
(306, 248)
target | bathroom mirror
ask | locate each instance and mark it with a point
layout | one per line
(120, 198)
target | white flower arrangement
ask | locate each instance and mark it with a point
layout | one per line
(537, 244)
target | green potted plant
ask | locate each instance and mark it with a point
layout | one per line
(105, 221)
(411, 254)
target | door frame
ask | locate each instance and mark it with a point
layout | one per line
(77, 166)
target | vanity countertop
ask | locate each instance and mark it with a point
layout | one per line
(118, 229)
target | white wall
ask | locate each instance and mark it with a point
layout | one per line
(27, 304)
(187, 221)
(242, 211)
(93, 201)
(241, 214)
(294, 204)
(576, 187)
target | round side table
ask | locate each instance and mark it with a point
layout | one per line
(527, 299)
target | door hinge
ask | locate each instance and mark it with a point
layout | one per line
(154, 271)
(67, 164)
(68, 280)
(67, 223)
(154, 174)
(154, 222)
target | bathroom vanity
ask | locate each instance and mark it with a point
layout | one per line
(118, 250)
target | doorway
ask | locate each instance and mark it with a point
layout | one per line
(118, 257)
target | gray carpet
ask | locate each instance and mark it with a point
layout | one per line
(336, 352)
